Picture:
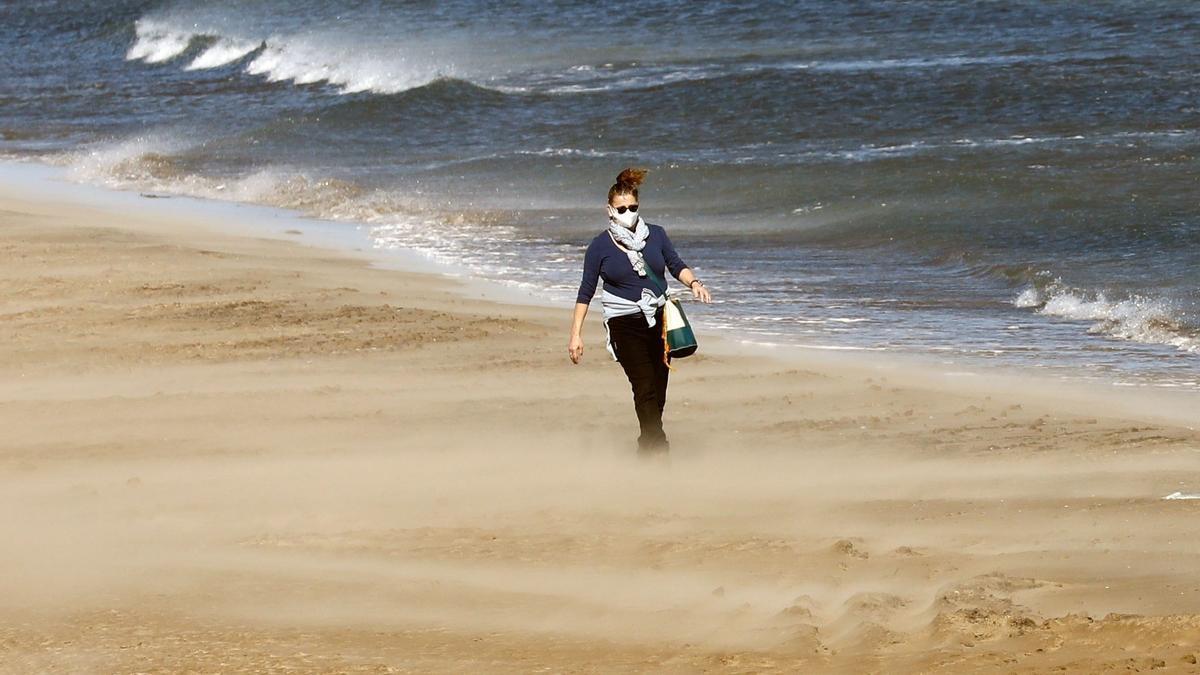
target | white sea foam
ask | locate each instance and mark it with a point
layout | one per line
(567, 152)
(918, 147)
(156, 43)
(1135, 318)
(1028, 298)
(950, 61)
(588, 79)
(916, 63)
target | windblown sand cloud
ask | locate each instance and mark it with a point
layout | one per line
(241, 455)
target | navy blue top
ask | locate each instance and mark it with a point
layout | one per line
(608, 262)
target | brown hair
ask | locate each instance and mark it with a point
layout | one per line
(627, 183)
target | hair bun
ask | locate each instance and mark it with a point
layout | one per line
(630, 179)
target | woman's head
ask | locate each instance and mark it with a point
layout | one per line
(623, 197)
(626, 186)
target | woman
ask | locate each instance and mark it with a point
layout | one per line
(630, 257)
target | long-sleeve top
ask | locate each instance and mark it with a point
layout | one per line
(605, 261)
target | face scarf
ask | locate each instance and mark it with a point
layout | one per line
(633, 240)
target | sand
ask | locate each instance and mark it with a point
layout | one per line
(232, 453)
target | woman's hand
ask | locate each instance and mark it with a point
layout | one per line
(701, 293)
(575, 348)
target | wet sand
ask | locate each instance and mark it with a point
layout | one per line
(240, 454)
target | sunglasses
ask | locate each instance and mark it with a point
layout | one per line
(631, 207)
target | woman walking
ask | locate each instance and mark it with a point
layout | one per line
(630, 257)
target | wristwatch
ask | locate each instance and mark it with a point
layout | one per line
(694, 282)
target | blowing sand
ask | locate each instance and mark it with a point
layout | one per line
(234, 454)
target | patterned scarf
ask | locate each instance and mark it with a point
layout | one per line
(633, 241)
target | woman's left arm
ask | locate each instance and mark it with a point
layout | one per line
(688, 278)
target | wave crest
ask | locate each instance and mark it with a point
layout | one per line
(156, 44)
(222, 52)
(299, 58)
(1136, 318)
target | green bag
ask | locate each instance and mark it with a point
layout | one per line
(678, 337)
(679, 340)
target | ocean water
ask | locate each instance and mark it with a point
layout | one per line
(1005, 182)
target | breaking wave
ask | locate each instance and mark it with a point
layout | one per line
(299, 58)
(158, 162)
(1135, 318)
(479, 240)
(222, 52)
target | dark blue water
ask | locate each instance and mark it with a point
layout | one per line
(1014, 182)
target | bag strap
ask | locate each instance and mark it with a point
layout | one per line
(659, 282)
(650, 273)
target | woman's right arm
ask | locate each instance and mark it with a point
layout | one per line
(587, 288)
(575, 344)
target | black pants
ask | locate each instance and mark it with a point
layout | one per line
(639, 350)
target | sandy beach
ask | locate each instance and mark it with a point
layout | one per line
(239, 454)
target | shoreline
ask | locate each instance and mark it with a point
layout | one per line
(238, 452)
(240, 219)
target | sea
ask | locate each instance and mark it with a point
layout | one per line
(1003, 182)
